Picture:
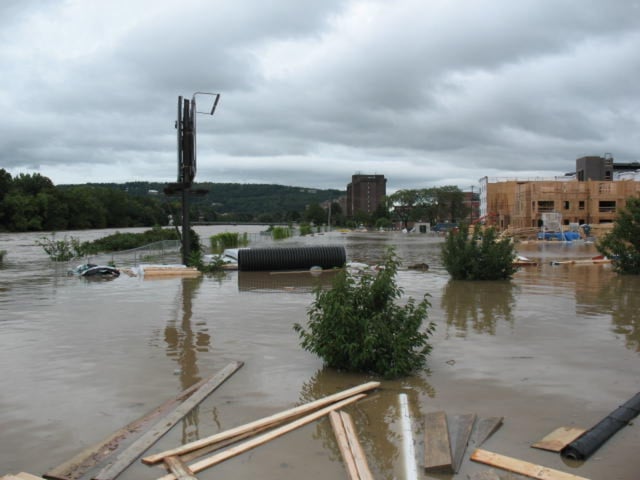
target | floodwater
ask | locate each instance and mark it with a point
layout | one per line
(555, 346)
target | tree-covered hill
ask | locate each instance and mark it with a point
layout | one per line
(31, 202)
(238, 198)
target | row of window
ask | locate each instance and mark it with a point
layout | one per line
(604, 206)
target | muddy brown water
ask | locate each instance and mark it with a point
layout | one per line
(555, 346)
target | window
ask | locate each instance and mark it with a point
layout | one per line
(607, 206)
(545, 206)
(581, 204)
(566, 205)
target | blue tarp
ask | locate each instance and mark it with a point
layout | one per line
(564, 236)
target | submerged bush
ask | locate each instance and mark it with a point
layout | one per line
(280, 233)
(224, 240)
(62, 250)
(357, 326)
(481, 256)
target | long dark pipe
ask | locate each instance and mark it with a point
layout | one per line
(594, 438)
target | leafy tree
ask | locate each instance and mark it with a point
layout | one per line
(32, 184)
(315, 214)
(480, 256)
(622, 244)
(357, 325)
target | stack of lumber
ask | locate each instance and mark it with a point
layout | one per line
(176, 460)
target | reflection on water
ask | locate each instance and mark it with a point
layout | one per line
(603, 293)
(278, 282)
(184, 341)
(479, 305)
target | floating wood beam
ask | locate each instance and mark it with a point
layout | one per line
(343, 445)
(437, 450)
(137, 448)
(179, 469)
(483, 429)
(460, 427)
(261, 423)
(77, 468)
(521, 467)
(559, 438)
(266, 437)
(21, 476)
(359, 456)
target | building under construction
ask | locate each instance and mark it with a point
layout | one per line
(590, 195)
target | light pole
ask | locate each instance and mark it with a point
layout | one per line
(186, 136)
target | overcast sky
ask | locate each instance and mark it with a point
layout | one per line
(426, 92)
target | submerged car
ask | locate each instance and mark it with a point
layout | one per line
(92, 270)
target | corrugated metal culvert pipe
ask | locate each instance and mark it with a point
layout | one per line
(290, 258)
(592, 439)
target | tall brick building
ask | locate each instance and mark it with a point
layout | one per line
(365, 193)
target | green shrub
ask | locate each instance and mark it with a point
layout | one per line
(622, 243)
(224, 240)
(126, 241)
(62, 250)
(481, 256)
(280, 233)
(357, 326)
(305, 229)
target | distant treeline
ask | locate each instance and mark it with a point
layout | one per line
(31, 202)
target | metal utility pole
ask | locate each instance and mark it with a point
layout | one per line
(186, 133)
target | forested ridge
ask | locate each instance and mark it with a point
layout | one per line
(31, 202)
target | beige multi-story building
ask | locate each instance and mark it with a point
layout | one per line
(591, 195)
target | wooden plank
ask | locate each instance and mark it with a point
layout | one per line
(266, 437)
(460, 427)
(343, 445)
(260, 423)
(179, 469)
(437, 449)
(484, 428)
(187, 457)
(79, 466)
(559, 438)
(364, 472)
(137, 448)
(519, 466)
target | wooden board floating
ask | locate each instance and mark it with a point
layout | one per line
(21, 476)
(79, 466)
(437, 450)
(179, 469)
(266, 437)
(559, 438)
(260, 424)
(364, 473)
(521, 467)
(343, 445)
(460, 427)
(483, 429)
(137, 448)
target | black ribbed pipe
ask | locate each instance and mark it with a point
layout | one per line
(592, 439)
(290, 258)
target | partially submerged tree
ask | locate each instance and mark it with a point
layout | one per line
(357, 325)
(480, 256)
(622, 244)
